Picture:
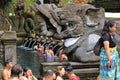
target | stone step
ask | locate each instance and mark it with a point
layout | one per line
(88, 70)
(87, 74)
(74, 64)
(77, 66)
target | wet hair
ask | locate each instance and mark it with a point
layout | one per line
(47, 47)
(68, 67)
(50, 47)
(48, 73)
(16, 70)
(107, 25)
(39, 45)
(7, 62)
(25, 69)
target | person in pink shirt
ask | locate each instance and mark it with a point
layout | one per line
(69, 72)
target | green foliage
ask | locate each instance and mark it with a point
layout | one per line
(63, 2)
(9, 8)
(27, 3)
(4, 3)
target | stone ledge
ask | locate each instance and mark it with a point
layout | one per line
(9, 35)
(89, 73)
(77, 66)
(74, 64)
(89, 70)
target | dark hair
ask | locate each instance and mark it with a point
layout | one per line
(68, 67)
(38, 2)
(50, 47)
(16, 70)
(25, 69)
(7, 62)
(107, 25)
(48, 73)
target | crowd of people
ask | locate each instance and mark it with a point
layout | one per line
(17, 72)
(48, 54)
(60, 72)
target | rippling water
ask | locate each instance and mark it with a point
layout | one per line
(28, 57)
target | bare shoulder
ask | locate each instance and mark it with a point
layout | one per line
(4, 71)
(51, 51)
(5, 75)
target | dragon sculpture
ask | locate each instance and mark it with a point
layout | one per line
(78, 24)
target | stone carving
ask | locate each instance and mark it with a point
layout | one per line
(21, 18)
(78, 24)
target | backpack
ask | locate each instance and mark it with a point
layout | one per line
(97, 47)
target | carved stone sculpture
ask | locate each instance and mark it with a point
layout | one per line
(78, 24)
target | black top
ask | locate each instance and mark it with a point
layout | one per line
(110, 38)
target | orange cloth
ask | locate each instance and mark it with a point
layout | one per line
(80, 1)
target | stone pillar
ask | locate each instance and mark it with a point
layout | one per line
(1, 54)
(8, 40)
(1, 57)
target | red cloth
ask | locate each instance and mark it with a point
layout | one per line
(74, 78)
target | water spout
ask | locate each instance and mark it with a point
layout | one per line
(57, 52)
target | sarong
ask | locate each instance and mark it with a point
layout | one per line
(112, 72)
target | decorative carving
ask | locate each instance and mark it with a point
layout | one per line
(75, 23)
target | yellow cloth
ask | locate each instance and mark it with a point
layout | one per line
(113, 48)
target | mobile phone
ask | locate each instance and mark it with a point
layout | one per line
(108, 67)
